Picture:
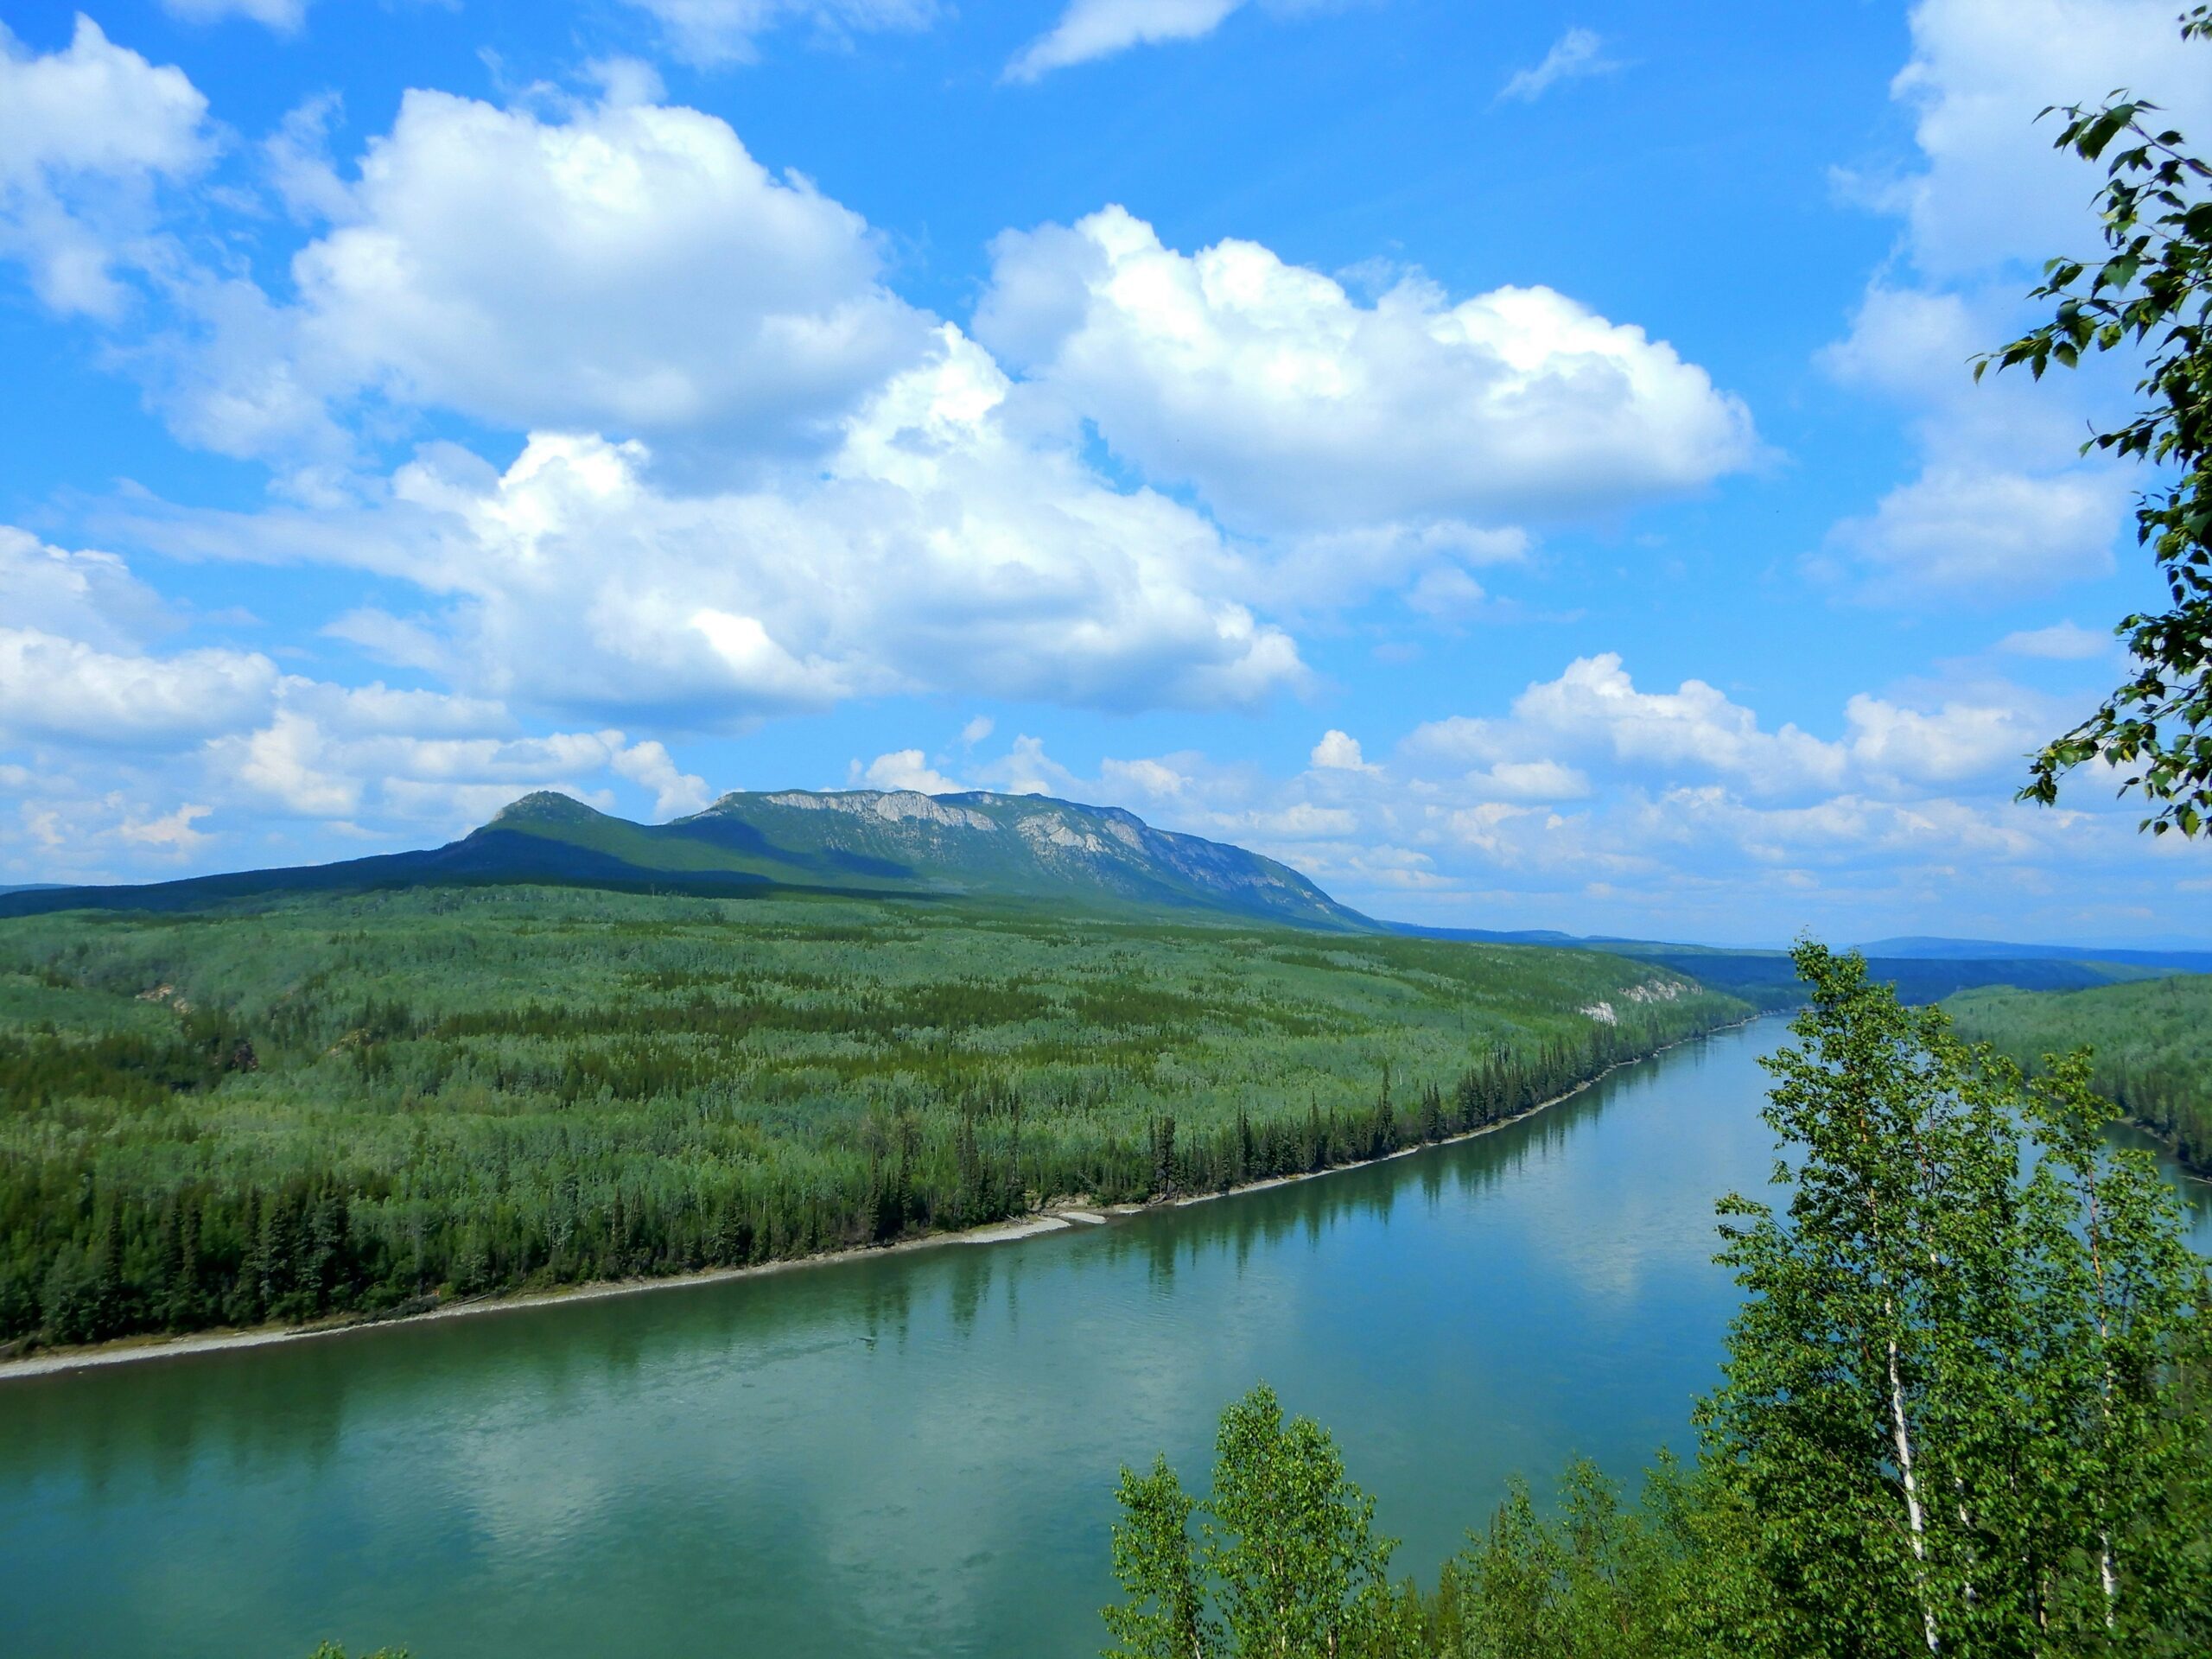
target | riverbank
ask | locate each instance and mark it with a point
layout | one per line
(917, 1454)
(1058, 1217)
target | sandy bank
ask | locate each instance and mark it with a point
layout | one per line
(1054, 1219)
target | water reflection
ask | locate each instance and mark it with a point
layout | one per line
(915, 1452)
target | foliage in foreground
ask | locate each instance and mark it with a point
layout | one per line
(346, 1104)
(1950, 1401)
(2153, 1045)
(1286, 1559)
(2150, 292)
(1963, 1410)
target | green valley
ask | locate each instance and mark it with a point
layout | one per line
(308, 1105)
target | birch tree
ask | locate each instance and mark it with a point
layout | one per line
(1285, 1563)
(1951, 1399)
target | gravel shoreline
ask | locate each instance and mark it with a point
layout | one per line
(1055, 1218)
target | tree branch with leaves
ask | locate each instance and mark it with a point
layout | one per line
(2150, 292)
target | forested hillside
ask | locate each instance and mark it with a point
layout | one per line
(2153, 1044)
(325, 1104)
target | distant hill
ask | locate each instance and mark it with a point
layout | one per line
(1494, 936)
(2172, 962)
(1766, 977)
(1923, 973)
(894, 842)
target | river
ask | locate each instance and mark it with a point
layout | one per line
(905, 1453)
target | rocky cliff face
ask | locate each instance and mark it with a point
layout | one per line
(1007, 845)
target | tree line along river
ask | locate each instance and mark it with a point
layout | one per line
(907, 1452)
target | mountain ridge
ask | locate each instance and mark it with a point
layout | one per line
(973, 844)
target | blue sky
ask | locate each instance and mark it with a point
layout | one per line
(1517, 464)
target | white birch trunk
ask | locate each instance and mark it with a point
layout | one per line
(1902, 1435)
(2105, 1574)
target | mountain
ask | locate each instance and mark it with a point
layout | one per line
(978, 845)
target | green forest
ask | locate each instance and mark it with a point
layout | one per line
(2152, 1043)
(1962, 1411)
(311, 1107)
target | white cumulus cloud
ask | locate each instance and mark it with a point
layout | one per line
(1944, 745)
(1338, 751)
(109, 722)
(631, 267)
(1685, 816)
(1532, 780)
(56, 688)
(904, 769)
(1291, 406)
(2002, 499)
(173, 830)
(87, 135)
(82, 594)
(331, 752)
(1983, 534)
(1593, 710)
(676, 792)
(1145, 778)
(937, 549)
(1991, 186)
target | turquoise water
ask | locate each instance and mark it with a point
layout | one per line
(903, 1454)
